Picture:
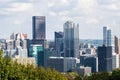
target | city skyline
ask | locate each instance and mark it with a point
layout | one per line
(91, 15)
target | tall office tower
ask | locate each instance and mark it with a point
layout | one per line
(59, 43)
(39, 36)
(104, 35)
(117, 45)
(39, 27)
(71, 39)
(104, 58)
(108, 38)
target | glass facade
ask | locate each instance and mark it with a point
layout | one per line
(108, 38)
(39, 27)
(71, 39)
(59, 43)
(37, 52)
(104, 58)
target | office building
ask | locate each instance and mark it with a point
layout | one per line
(83, 70)
(39, 42)
(71, 39)
(56, 63)
(39, 27)
(16, 36)
(115, 61)
(17, 52)
(37, 51)
(117, 45)
(21, 53)
(104, 58)
(105, 35)
(25, 61)
(62, 64)
(9, 44)
(89, 60)
(59, 43)
(108, 38)
(39, 39)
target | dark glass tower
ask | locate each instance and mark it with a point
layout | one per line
(39, 27)
(71, 39)
(39, 37)
(105, 58)
(59, 43)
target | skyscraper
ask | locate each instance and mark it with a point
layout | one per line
(39, 38)
(117, 45)
(58, 43)
(71, 39)
(104, 35)
(108, 38)
(39, 27)
(104, 58)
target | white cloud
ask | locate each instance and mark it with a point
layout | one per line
(52, 13)
(18, 7)
(92, 21)
(4, 1)
(17, 22)
(65, 1)
(111, 7)
(63, 13)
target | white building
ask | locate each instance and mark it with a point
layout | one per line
(115, 61)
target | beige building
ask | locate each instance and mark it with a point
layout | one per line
(117, 45)
(25, 61)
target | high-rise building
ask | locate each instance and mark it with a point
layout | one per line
(39, 27)
(104, 35)
(71, 39)
(59, 43)
(104, 58)
(115, 61)
(108, 38)
(39, 38)
(117, 45)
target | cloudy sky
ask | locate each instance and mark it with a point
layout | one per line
(92, 15)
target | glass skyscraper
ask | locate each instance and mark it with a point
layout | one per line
(104, 58)
(108, 38)
(39, 27)
(71, 39)
(59, 43)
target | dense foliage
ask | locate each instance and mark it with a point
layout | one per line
(14, 71)
(114, 75)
